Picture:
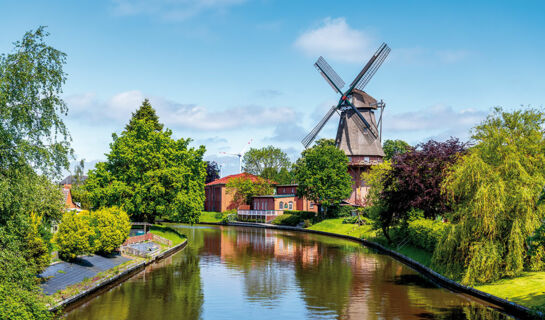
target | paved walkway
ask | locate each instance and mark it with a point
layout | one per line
(64, 274)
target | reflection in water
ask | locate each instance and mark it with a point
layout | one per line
(246, 273)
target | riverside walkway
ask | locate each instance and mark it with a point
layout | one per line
(60, 275)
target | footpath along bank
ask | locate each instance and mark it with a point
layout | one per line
(68, 283)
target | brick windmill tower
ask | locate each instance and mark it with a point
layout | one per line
(359, 133)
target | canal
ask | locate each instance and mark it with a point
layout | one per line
(252, 273)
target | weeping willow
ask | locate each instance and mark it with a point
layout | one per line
(495, 190)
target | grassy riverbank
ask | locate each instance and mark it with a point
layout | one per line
(527, 289)
(168, 233)
(213, 217)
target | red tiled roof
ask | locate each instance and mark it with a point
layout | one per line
(243, 175)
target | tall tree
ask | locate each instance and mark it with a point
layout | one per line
(322, 174)
(33, 138)
(147, 113)
(495, 190)
(149, 174)
(31, 109)
(268, 162)
(394, 147)
(212, 171)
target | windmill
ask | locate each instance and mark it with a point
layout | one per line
(358, 134)
(239, 155)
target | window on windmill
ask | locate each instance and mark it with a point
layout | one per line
(366, 159)
(349, 159)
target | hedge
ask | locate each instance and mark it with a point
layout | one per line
(426, 233)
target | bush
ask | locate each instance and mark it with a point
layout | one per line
(338, 211)
(287, 220)
(75, 235)
(18, 303)
(112, 226)
(425, 233)
(295, 217)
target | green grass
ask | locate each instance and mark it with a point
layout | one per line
(168, 233)
(211, 217)
(527, 289)
(337, 226)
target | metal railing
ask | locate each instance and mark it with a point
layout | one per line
(259, 215)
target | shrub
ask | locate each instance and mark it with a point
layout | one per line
(75, 235)
(536, 253)
(287, 220)
(112, 226)
(425, 233)
(338, 211)
(302, 214)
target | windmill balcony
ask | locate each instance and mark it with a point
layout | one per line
(363, 161)
(258, 215)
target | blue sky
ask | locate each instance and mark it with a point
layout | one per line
(225, 71)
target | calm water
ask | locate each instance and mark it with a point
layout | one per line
(246, 273)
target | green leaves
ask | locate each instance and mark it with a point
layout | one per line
(268, 162)
(149, 174)
(322, 174)
(31, 109)
(495, 190)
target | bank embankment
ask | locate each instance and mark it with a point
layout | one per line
(118, 274)
(420, 266)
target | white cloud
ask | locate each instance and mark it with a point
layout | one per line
(438, 120)
(336, 40)
(119, 108)
(174, 10)
(288, 132)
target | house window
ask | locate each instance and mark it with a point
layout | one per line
(281, 206)
(311, 205)
(292, 190)
(291, 205)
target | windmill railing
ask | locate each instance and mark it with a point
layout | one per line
(258, 215)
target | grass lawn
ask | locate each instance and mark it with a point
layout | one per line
(168, 233)
(527, 289)
(337, 226)
(211, 217)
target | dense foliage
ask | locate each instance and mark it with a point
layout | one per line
(33, 138)
(413, 181)
(243, 189)
(394, 147)
(495, 190)
(269, 163)
(426, 233)
(84, 232)
(212, 171)
(75, 235)
(322, 174)
(112, 226)
(149, 174)
(294, 217)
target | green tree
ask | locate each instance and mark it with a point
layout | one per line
(149, 174)
(393, 147)
(31, 109)
(495, 190)
(268, 162)
(75, 235)
(244, 188)
(322, 174)
(112, 227)
(32, 137)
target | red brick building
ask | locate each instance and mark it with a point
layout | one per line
(284, 199)
(216, 197)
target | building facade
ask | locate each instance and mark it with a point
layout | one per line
(216, 197)
(284, 199)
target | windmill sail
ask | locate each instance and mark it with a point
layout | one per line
(370, 68)
(312, 135)
(329, 75)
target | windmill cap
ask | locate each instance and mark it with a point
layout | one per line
(362, 100)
